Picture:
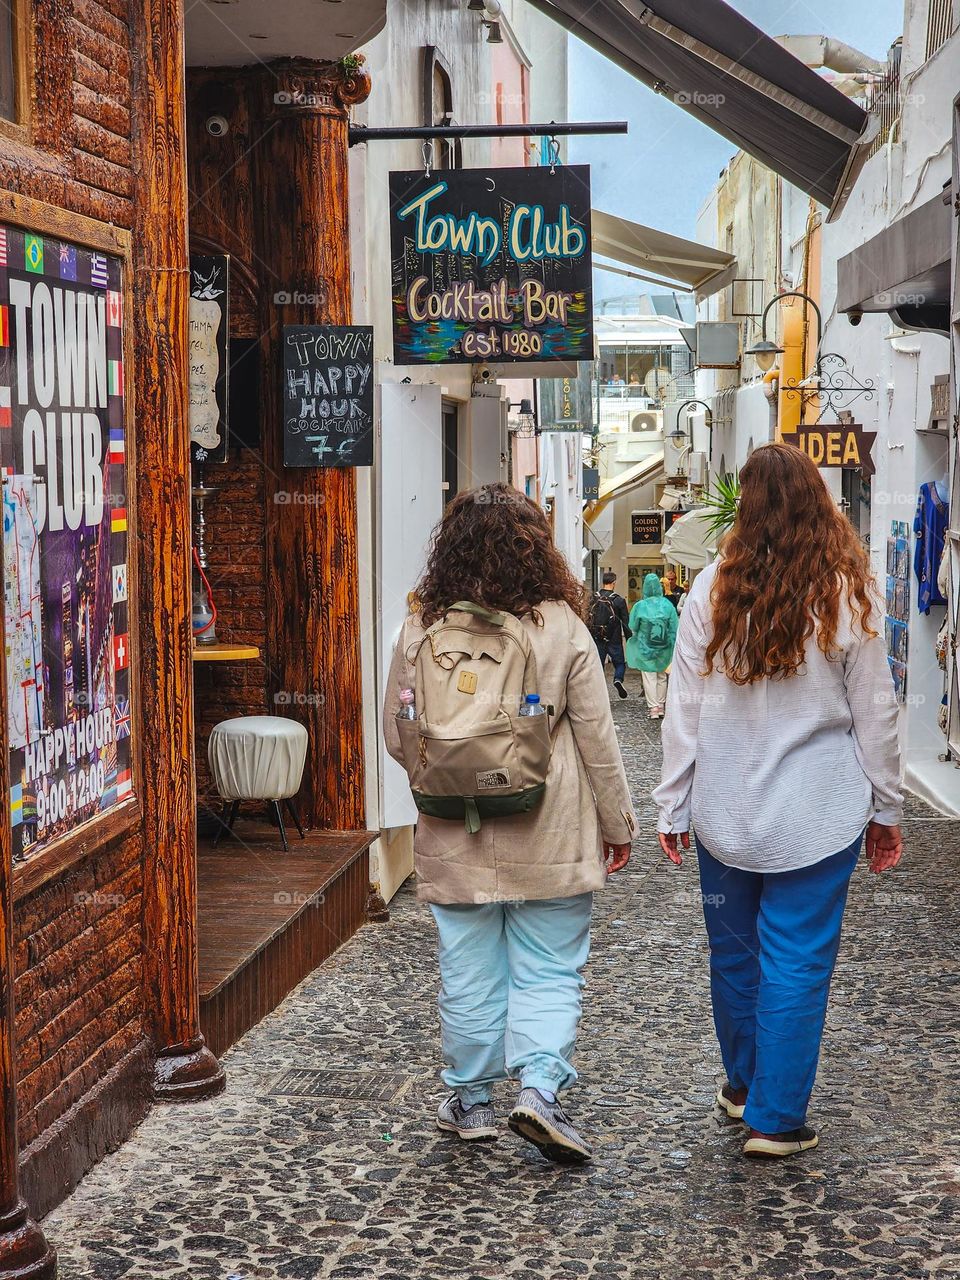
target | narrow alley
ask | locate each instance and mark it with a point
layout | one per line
(345, 1175)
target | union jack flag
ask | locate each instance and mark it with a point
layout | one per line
(121, 718)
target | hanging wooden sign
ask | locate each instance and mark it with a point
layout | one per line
(842, 444)
(491, 265)
(208, 345)
(327, 395)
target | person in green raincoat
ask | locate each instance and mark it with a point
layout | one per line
(653, 633)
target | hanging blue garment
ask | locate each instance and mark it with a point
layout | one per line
(929, 525)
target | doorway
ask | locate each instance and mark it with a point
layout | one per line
(450, 440)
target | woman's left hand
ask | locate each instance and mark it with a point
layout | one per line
(615, 856)
(884, 846)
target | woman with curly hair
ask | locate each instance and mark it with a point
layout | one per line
(511, 960)
(780, 747)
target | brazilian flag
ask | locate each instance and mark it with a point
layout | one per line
(33, 253)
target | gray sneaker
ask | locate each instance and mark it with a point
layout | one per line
(474, 1124)
(545, 1125)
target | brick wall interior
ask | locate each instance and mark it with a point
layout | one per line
(221, 215)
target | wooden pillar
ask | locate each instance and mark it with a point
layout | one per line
(185, 1067)
(313, 627)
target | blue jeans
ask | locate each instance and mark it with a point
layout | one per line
(613, 649)
(773, 946)
(510, 991)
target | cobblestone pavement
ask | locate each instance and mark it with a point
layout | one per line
(257, 1185)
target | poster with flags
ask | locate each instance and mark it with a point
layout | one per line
(63, 458)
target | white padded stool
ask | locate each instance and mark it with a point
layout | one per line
(257, 758)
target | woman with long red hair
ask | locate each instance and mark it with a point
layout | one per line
(780, 748)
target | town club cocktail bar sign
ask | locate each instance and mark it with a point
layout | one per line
(491, 264)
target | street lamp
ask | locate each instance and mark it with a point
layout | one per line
(765, 352)
(528, 417)
(680, 436)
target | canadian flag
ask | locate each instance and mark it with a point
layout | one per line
(114, 308)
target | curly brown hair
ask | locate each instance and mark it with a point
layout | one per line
(494, 547)
(788, 561)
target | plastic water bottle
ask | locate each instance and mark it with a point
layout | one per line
(531, 706)
(407, 711)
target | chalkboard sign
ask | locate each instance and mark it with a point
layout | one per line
(209, 368)
(646, 528)
(491, 264)
(327, 395)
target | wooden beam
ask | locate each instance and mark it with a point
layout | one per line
(313, 626)
(185, 1067)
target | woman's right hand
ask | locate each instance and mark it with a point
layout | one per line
(668, 843)
(884, 846)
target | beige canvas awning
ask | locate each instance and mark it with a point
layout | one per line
(641, 473)
(679, 263)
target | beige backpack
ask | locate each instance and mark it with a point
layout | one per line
(469, 754)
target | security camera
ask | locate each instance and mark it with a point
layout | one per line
(485, 374)
(218, 126)
(854, 317)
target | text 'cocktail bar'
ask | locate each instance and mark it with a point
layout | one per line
(181, 639)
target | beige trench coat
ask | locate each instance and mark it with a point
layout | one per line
(555, 851)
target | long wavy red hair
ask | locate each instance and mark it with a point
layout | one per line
(494, 547)
(789, 561)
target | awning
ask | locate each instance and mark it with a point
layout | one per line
(248, 31)
(722, 69)
(640, 473)
(690, 541)
(683, 263)
(905, 269)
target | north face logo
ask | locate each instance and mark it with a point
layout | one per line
(492, 779)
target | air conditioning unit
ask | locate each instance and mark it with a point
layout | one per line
(646, 423)
(697, 467)
(718, 344)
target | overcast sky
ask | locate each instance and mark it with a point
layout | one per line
(662, 171)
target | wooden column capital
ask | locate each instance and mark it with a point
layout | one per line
(301, 87)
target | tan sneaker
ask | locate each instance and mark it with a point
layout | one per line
(732, 1101)
(778, 1145)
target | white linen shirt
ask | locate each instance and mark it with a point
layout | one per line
(781, 773)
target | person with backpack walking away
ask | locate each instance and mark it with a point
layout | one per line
(610, 626)
(515, 767)
(653, 632)
(780, 746)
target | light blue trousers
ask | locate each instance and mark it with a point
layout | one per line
(510, 992)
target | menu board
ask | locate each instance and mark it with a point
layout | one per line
(209, 367)
(327, 395)
(65, 554)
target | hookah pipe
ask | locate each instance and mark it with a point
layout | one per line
(206, 586)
